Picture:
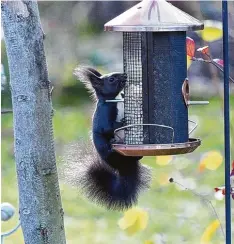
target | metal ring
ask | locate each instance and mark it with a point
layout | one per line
(193, 127)
(9, 232)
(163, 126)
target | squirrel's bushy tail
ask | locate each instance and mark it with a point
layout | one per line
(115, 187)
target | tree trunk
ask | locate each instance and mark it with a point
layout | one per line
(41, 212)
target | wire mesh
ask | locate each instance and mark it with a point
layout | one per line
(133, 101)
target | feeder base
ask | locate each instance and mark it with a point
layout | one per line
(157, 149)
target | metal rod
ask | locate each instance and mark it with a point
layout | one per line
(226, 122)
(6, 111)
(198, 102)
(8, 233)
(115, 101)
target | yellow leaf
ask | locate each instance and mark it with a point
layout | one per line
(134, 220)
(143, 219)
(211, 34)
(211, 160)
(201, 167)
(209, 232)
(134, 228)
(163, 179)
(129, 219)
(148, 242)
(163, 160)
(212, 31)
(189, 62)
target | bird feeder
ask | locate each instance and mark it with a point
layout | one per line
(156, 95)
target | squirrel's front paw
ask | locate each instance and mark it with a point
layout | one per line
(117, 125)
(122, 121)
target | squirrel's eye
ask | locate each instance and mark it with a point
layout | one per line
(111, 79)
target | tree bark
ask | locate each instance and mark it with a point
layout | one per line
(40, 207)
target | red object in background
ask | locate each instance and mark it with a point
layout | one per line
(190, 47)
(232, 180)
(232, 173)
(222, 188)
(218, 61)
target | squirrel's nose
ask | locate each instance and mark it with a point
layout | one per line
(123, 82)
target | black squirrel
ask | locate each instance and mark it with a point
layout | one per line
(111, 179)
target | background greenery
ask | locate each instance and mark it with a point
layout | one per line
(176, 215)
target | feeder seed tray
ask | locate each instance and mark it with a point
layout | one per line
(157, 149)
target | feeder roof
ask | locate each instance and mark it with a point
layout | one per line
(153, 16)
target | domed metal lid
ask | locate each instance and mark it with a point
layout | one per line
(154, 16)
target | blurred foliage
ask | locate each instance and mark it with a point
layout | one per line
(74, 36)
(176, 215)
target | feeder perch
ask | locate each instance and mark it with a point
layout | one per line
(156, 96)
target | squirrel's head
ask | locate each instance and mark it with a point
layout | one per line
(113, 84)
(104, 86)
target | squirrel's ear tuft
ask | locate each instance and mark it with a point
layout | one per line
(89, 76)
(94, 71)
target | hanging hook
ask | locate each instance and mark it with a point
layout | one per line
(185, 92)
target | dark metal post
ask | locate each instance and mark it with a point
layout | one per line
(226, 122)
